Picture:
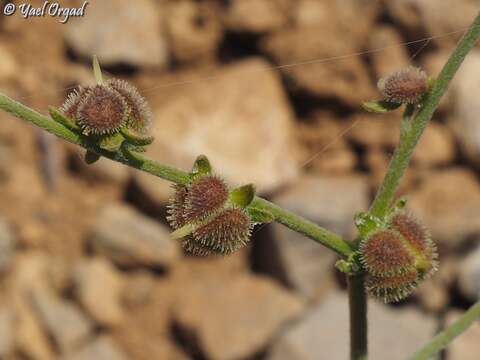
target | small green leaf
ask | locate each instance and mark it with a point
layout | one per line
(366, 223)
(59, 117)
(243, 195)
(380, 106)
(91, 157)
(97, 72)
(344, 266)
(135, 138)
(111, 142)
(202, 166)
(260, 216)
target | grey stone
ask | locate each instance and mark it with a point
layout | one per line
(102, 348)
(469, 275)
(63, 320)
(98, 287)
(130, 239)
(132, 35)
(7, 245)
(233, 317)
(324, 332)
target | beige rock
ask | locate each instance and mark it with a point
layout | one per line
(194, 29)
(132, 37)
(469, 275)
(235, 317)
(98, 288)
(327, 152)
(8, 241)
(255, 15)
(337, 16)
(392, 56)
(323, 332)
(346, 79)
(374, 130)
(466, 345)
(377, 160)
(330, 201)
(103, 170)
(448, 203)
(30, 338)
(102, 348)
(245, 129)
(432, 295)
(436, 147)
(62, 319)
(7, 318)
(464, 119)
(138, 289)
(436, 16)
(130, 239)
(8, 65)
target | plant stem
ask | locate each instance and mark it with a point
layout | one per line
(404, 151)
(141, 162)
(446, 336)
(305, 227)
(357, 298)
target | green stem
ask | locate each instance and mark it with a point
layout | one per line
(357, 298)
(440, 341)
(305, 227)
(141, 162)
(404, 151)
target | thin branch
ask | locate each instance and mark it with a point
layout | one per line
(141, 162)
(404, 151)
(440, 341)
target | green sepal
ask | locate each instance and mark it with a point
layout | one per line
(182, 232)
(59, 117)
(201, 166)
(259, 216)
(380, 106)
(367, 223)
(400, 204)
(136, 138)
(351, 265)
(97, 71)
(111, 142)
(243, 195)
(91, 157)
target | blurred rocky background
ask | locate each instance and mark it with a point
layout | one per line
(87, 270)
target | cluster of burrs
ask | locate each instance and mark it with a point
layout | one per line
(110, 113)
(210, 219)
(397, 256)
(405, 86)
